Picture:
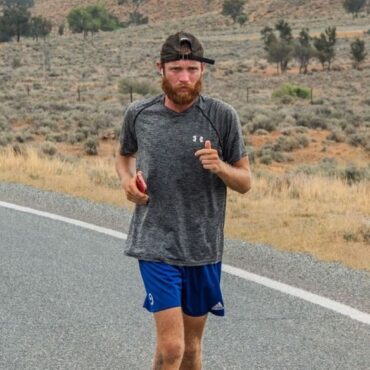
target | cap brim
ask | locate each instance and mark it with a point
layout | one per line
(173, 58)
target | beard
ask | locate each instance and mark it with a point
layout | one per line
(182, 97)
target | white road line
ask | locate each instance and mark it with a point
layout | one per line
(270, 283)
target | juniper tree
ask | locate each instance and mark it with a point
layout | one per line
(40, 27)
(279, 50)
(303, 50)
(358, 52)
(16, 17)
(135, 16)
(233, 8)
(325, 46)
(353, 6)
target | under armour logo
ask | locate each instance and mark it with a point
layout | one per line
(199, 139)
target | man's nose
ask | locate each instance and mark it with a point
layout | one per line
(184, 76)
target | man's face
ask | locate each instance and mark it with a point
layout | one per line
(182, 80)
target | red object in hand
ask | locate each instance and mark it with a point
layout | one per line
(140, 183)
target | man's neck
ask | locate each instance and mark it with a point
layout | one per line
(176, 107)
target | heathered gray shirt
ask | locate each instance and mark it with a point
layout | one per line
(183, 223)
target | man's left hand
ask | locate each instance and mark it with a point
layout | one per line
(209, 158)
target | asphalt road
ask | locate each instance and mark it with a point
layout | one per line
(69, 299)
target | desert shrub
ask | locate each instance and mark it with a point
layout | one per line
(141, 87)
(294, 91)
(353, 174)
(100, 177)
(6, 138)
(48, 148)
(76, 137)
(16, 63)
(23, 137)
(289, 131)
(323, 111)
(4, 124)
(251, 153)
(356, 139)
(19, 150)
(91, 146)
(285, 144)
(117, 131)
(287, 99)
(337, 136)
(289, 143)
(349, 130)
(260, 121)
(280, 157)
(312, 121)
(303, 141)
(261, 132)
(266, 159)
(57, 137)
(83, 132)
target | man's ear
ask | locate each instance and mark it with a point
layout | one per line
(203, 68)
(159, 68)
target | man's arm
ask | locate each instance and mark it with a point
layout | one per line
(236, 176)
(124, 168)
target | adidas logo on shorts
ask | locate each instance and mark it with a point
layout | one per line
(217, 307)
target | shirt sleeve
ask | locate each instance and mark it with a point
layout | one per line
(233, 141)
(128, 140)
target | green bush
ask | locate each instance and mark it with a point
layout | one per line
(295, 91)
(141, 87)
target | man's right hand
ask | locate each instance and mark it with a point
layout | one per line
(133, 194)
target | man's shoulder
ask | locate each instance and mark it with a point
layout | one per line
(217, 107)
(209, 102)
(137, 106)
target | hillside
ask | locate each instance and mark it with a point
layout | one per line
(162, 10)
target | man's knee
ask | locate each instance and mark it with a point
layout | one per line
(171, 351)
(192, 350)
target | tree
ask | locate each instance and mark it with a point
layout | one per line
(40, 27)
(325, 46)
(135, 17)
(5, 32)
(303, 50)
(358, 52)
(353, 6)
(241, 19)
(279, 49)
(61, 29)
(233, 8)
(16, 16)
(284, 30)
(91, 19)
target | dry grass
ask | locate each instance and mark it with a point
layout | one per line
(293, 213)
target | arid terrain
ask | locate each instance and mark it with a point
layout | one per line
(61, 101)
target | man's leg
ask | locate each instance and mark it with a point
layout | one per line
(170, 339)
(194, 328)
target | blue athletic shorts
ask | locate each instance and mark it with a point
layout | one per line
(194, 288)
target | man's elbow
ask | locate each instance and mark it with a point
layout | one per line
(246, 186)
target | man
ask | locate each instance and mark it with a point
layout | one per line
(189, 149)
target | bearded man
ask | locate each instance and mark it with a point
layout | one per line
(188, 148)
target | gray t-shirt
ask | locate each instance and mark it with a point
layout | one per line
(183, 223)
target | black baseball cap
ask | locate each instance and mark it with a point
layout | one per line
(183, 45)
